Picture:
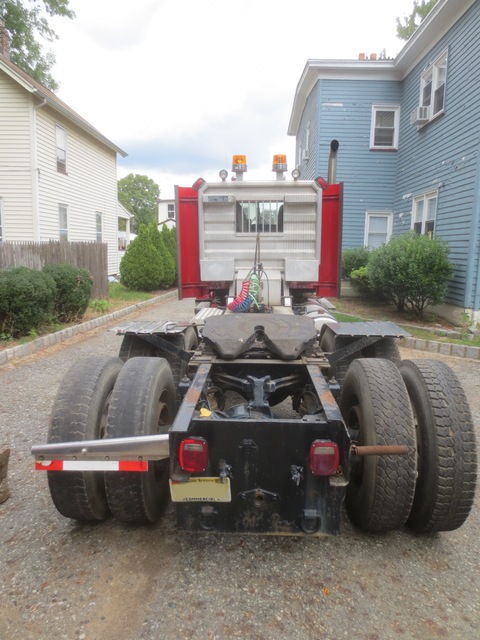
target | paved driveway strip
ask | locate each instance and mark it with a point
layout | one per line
(65, 580)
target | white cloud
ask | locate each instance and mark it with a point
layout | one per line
(181, 85)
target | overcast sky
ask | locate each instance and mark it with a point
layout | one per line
(182, 85)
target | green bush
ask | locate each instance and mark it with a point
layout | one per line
(411, 270)
(167, 258)
(74, 287)
(360, 281)
(170, 240)
(142, 267)
(26, 300)
(353, 259)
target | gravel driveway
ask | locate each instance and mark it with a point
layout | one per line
(114, 582)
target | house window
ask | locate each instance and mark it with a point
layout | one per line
(61, 141)
(259, 217)
(432, 86)
(424, 213)
(63, 222)
(378, 228)
(99, 225)
(171, 211)
(1, 220)
(384, 129)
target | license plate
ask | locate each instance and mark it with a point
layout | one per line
(201, 490)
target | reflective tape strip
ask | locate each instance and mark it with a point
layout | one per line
(91, 465)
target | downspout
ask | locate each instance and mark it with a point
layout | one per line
(473, 279)
(36, 175)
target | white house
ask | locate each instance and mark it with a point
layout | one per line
(166, 213)
(58, 174)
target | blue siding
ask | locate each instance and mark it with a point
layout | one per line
(444, 154)
(345, 113)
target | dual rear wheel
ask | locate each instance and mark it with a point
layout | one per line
(422, 405)
(100, 398)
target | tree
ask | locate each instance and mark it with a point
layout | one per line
(139, 194)
(25, 22)
(142, 267)
(421, 9)
(170, 240)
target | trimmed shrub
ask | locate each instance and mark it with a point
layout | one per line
(168, 261)
(142, 267)
(170, 240)
(411, 270)
(26, 300)
(74, 287)
(353, 259)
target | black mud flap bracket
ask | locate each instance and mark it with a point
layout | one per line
(362, 335)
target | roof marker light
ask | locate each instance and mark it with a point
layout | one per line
(321, 183)
(279, 162)
(239, 163)
(198, 184)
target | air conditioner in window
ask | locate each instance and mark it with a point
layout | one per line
(305, 154)
(420, 115)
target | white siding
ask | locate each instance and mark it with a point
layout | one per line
(16, 166)
(88, 186)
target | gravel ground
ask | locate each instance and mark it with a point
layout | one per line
(65, 580)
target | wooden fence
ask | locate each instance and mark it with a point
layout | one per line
(85, 255)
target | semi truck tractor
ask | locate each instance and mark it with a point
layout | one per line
(261, 413)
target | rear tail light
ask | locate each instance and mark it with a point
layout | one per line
(198, 184)
(324, 458)
(193, 455)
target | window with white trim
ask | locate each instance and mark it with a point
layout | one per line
(171, 211)
(378, 228)
(1, 220)
(63, 222)
(432, 86)
(424, 213)
(99, 225)
(61, 142)
(384, 127)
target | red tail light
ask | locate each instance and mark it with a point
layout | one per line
(324, 458)
(193, 455)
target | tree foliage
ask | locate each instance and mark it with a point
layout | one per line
(411, 270)
(142, 267)
(139, 194)
(26, 21)
(407, 26)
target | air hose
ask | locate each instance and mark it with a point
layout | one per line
(248, 294)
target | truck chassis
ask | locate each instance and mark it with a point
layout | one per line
(363, 428)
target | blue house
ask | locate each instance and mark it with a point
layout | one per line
(409, 133)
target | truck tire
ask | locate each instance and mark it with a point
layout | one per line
(80, 413)
(445, 447)
(143, 403)
(376, 408)
(134, 347)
